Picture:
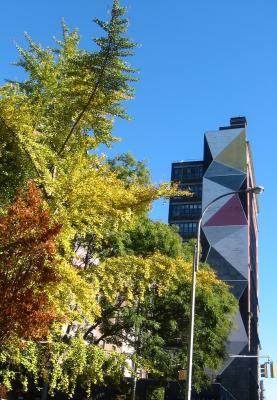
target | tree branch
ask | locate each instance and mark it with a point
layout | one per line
(91, 97)
(107, 314)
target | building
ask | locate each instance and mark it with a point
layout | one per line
(184, 212)
(229, 240)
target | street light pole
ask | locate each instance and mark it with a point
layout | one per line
(195, 266)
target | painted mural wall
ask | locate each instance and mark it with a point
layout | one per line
(225, 225)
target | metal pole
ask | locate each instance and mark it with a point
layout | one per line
(134, 385)
(44, 395)
(245, 356)
(257, 190)
(195, 266)
(191, 327)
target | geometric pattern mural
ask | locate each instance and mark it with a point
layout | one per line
(231, 213)
(225, 224)
(229, 243)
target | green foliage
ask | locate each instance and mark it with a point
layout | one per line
(157, 393)
(67, 103)
(150, 313)
(129, 169)
(122, 277)
(146, 238)
(61, 364)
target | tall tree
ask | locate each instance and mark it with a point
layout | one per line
(81, 250)
(67, 103)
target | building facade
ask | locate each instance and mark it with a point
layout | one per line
(184, 212)
(229, 241)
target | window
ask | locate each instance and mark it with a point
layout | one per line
(184, 210)
(183, 173)
(195, 189)
(187, 229)
(177, 173)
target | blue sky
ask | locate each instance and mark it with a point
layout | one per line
(201, 62)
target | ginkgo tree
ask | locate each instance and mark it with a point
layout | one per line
(73, 254)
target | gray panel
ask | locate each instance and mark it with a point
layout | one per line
(236, 347)
(232, 182)
(211, 190)
(237, 287)
(232, 348)
(235, 250)
(237, 340)
(219, 169)
(238, 333)
(218, 140)
(224, 270)
(215, 234)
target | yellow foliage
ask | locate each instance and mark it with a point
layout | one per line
(133, 275)
(74, 297)
(88, 198)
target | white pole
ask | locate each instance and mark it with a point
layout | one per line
(256, 190)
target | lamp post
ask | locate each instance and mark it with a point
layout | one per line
(255, 190)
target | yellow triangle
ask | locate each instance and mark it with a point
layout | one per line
(235, 153)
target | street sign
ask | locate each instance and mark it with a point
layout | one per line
(182, 375)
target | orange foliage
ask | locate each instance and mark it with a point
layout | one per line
(3, 392)
(27, 267)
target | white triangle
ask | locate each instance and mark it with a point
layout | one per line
(215, 234)
(234, 248)
(218, 140)
(212, 190)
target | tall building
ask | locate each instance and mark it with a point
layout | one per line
(229, 241)
(184, 212)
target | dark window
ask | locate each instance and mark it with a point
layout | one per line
(196, 189)
(184, 210)
(177, 173)
(183, 173)
(187, 229)
(196, 172)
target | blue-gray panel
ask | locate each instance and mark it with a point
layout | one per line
(224, 270)
(233, 348)
(211, 190)
(237, 340)
(232, 182)
(218, 140)
(216, 233)
(236, 347)
(238, 333)
(219, 169)
(237, 287)
(234, 249)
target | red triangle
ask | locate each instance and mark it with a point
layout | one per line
(231, 213)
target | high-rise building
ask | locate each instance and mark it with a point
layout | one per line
(184, 212)
(228, 239)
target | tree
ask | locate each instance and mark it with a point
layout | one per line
(66, 105)
(149, 311)
(49, 124)
(145, 239)
(28, 268)
(35, 281)
(86, 251)
(129, 169)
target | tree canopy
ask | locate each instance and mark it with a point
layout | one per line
(80, 261)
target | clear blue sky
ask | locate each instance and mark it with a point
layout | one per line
(201, 62)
